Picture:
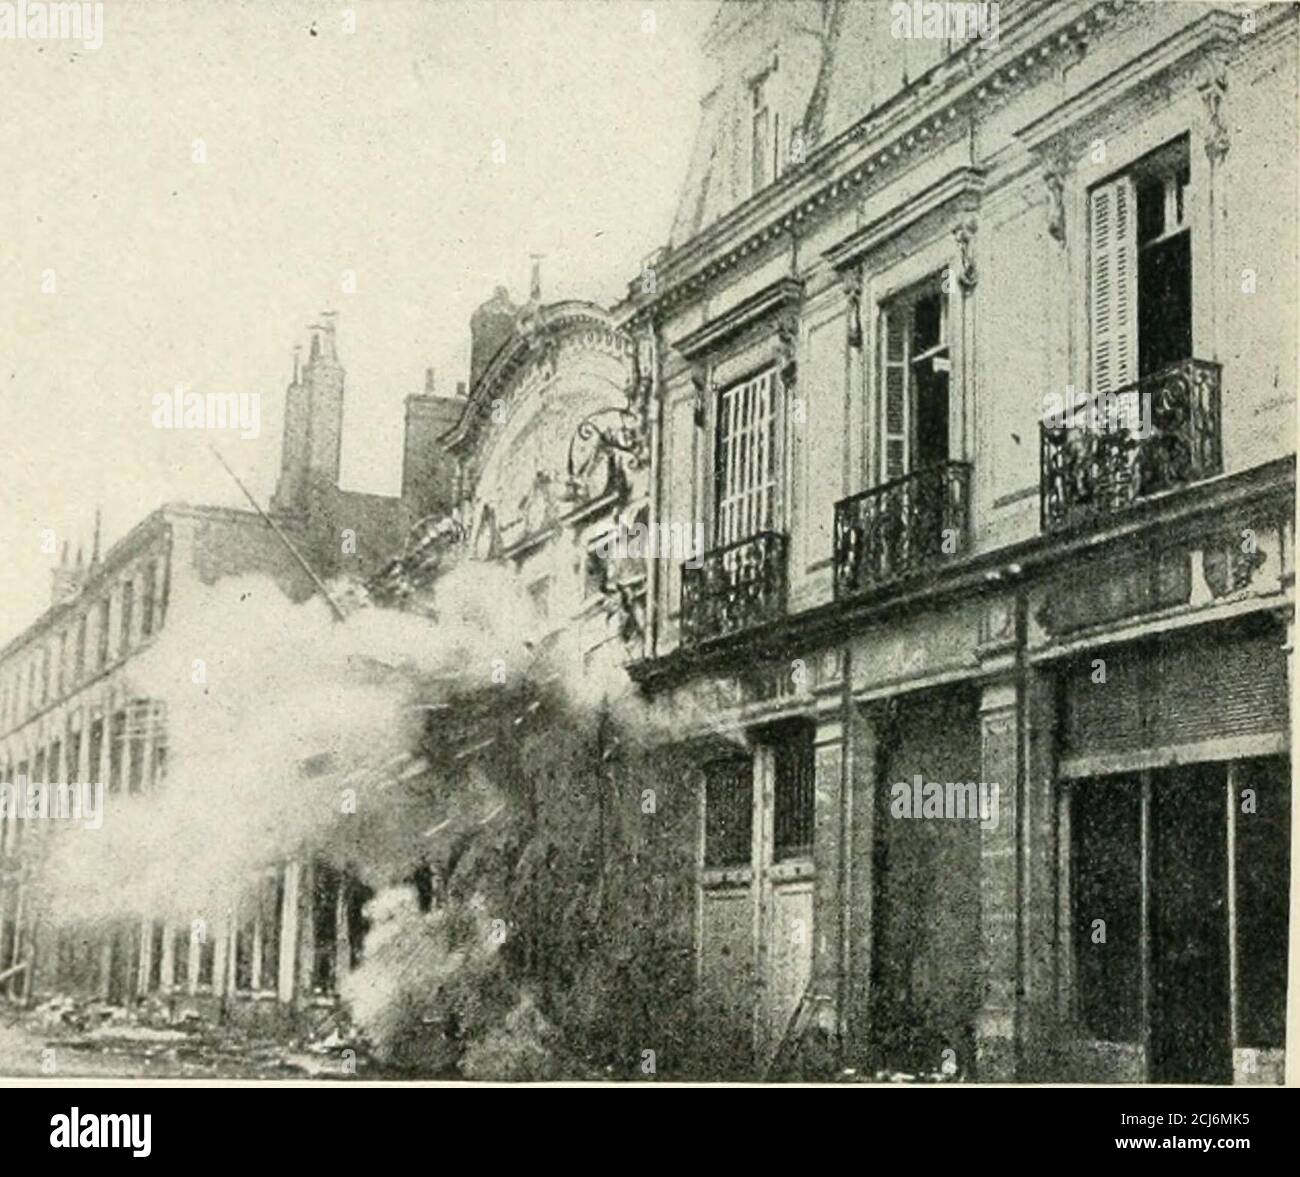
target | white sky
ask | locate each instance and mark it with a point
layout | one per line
(370, 152)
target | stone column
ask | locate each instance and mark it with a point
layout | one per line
(828, 818)
(862, 757)
(996, 1025)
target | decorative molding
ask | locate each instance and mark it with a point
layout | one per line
(1230, 565)
(1057, 129)
(535, 347)
(960, 189)
(913, 124)
(776, 297)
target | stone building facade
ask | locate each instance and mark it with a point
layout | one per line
(71, 713)
(977, 376)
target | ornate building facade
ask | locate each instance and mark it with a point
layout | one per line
(977, 377)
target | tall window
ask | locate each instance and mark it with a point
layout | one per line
(915, 371)
(101, 648)
(62, 662)
(765, 135)
(1140, 276)
(116, 745)
(792, 816)
(728, 812)
(128, 608)
(79, 665)
(147, 601)
(746, 466)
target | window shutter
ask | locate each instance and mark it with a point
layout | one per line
(1113, 285)
(746, 470)
(894, 383)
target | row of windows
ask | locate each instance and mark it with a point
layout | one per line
(1140, 312)
(64, 660)
(135, 762)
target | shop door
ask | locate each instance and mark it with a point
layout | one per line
(1190, 1037)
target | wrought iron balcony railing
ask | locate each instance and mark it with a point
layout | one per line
(901, 527)
(734, 588)
(1159, 433)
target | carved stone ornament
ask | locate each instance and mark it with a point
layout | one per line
(964, 234)
(1056, 170)
(787, 335)
(700, 381)
(852, 281)
(1212, 82)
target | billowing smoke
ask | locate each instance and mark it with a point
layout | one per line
(456, 738)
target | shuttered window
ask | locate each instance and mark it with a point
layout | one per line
(1112, 224)
(915, 366)
(896, 409)
(746, 468)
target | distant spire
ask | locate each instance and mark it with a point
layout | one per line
(428, 382)
(63, 556)
(81, 556)
(94, 552)
(297, 362)
(535, 289)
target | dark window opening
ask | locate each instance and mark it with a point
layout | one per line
(1164, 270)
(324, 924)
(128, 609)
(793, 801)
(101, 646)
(96, 750)
(147, 602)
(728, 812)
(915, 381)
(1263, 835)
(181, 960)
(116, 735)
(1106, 905)
(156, 936)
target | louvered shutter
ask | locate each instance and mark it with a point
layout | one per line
(894, 386)
(746, 459)
(1113, 285)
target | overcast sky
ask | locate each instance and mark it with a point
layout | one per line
(325, 152)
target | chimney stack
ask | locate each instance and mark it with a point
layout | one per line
(489, 328)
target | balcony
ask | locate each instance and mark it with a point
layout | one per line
(901, 527)
(734, 588)
(1154, 435)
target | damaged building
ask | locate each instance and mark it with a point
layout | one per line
(70, 712)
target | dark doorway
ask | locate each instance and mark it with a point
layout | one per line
(1189, 926)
